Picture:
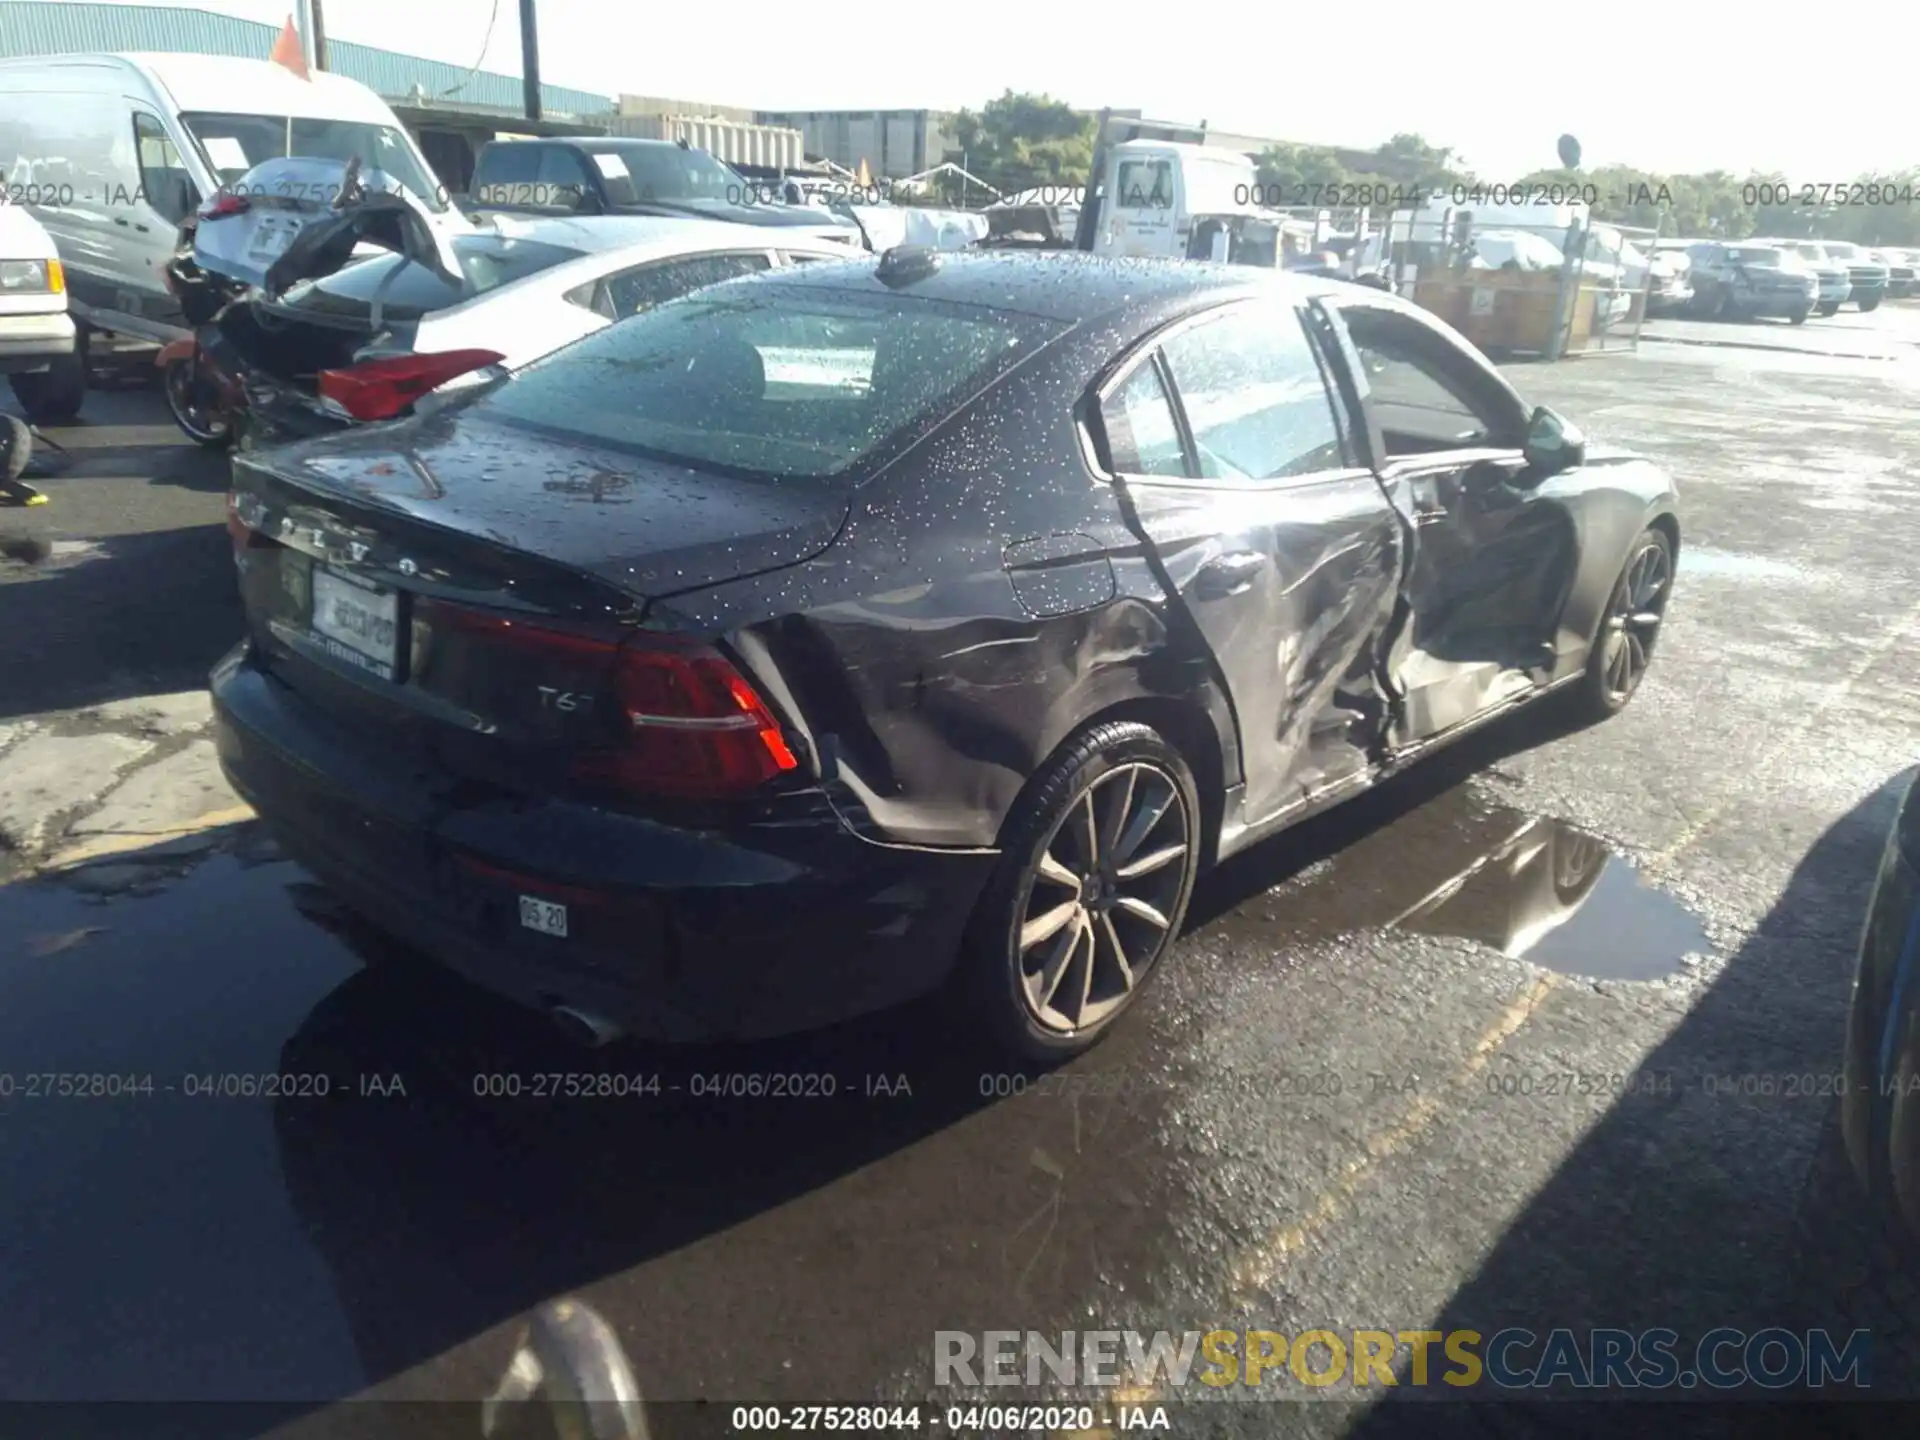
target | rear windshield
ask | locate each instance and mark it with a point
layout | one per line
(234, 144)
(768, 380)
(411, 290)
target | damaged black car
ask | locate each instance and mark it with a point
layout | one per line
(838, 634)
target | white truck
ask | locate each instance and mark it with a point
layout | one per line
(1161, 191)
(36, 333)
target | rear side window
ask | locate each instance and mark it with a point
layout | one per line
(163, 176)
(1254, 395)
(766, 380)
(408, 290)
(1142, 436)
(646, 286)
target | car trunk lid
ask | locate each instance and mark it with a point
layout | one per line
(466, 588)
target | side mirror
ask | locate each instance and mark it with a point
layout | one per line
(1554, 443)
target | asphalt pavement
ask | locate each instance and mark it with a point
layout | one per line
(1534, 1036)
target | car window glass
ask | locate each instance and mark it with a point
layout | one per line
(1142, 436)
(648, 285)
(562, 179)
(163, 178)
(765, 380)
(1254, 397)
(1422, 400)
(407, 290)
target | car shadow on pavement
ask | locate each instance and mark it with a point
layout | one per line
(125, 616)
(1679, 1208)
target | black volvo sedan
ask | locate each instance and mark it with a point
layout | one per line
(841, 633)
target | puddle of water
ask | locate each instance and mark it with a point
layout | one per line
(1531, 887)
(1726, 564)
(1557, 897)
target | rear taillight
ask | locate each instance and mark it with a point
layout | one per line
(382, 389)
(224, 204)
(698, 729)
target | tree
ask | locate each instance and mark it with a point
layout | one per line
(1021, 140)
(1411, 161)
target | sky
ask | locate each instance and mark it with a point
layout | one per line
(1665, 90)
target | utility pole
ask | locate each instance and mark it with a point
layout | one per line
(530, 58)
(319, 44)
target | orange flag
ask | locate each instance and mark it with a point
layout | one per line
(288, 51)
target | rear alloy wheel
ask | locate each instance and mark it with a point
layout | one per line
(1092, 887)
(195, 410)
(1623, 649)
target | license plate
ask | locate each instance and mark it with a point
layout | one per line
(543, 915)
(356, 622)
(270, 239)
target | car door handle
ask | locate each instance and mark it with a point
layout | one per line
(1228, 575)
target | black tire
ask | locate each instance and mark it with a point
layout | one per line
(203, 431)
(1852, 1269)
(1798, 317)
(1829, 307)
(999, 977)
(1599, 693)
(53, 396)
(1868, 306)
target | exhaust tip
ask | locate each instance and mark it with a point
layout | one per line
(592, 1031)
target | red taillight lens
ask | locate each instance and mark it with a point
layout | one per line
(224, 204)
(699, 729)
(382, 389)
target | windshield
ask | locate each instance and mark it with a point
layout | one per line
(1144, 185)
(768, 380)
(408, 290)
(1754, 255)
(234, 144)
(1843, 250)
(634, 174)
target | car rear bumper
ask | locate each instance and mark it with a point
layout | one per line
(29, 342)
(673, 934)
(1880, 1105)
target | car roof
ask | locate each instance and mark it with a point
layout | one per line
(1067, 286)
(669, 234)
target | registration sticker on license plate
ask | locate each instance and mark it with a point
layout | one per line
(356, 622)
(543, 915)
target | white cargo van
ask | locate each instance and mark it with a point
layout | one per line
(112, 152)
(1156, 190)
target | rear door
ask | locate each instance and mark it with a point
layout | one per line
(1491, 556)
(1282, 548)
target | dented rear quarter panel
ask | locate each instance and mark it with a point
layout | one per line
(985, 601)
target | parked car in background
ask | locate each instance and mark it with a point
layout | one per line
(1867, 275)
(1744, 281)
(1835, 285)
(598, 175)
(1669, 282)
(113, 153)
(367, 342)
(36, 332)
(851, 630)
(1900, 271)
